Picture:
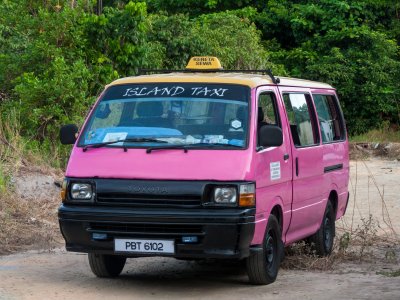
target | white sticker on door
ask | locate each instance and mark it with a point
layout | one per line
(275, 169)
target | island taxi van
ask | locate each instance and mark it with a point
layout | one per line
(205, 163)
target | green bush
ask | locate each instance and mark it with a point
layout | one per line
(57, 55)
(234, 40)
(117, 39)
(344, 43)
(57, 96)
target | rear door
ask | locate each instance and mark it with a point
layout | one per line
(307, 204)
(335, 146)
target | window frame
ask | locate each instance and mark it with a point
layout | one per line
(313, 118)
(276, 113)
(275, 105)
(89, 117)
(343, 135)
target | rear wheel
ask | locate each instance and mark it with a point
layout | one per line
(322, 240)
(263, 266)
(106, 265)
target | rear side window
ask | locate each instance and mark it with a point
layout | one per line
(329, 118)
(301, 119)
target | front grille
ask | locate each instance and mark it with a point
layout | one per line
(139, 228)
(149, 200)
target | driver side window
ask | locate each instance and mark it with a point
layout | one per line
(267, 111)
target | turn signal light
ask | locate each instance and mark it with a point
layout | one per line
(247, 200)
(247, 195)
(63, 192)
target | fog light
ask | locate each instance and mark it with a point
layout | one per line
(99, 236)
(190, 239)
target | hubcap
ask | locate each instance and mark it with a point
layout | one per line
(269, 250)
(328, 232)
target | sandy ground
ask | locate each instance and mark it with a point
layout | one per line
(66, 276)
(36, 186)
(375, 190)
(375, 186)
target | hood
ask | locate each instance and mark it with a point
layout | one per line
(166, 164)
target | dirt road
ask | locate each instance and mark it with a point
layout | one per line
(61, 275)
(374, 190)
(66, 276)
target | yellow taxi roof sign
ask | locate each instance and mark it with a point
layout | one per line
(204, 63)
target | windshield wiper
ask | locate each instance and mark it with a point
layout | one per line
(130, 140)
(186, 147)
(213, 145)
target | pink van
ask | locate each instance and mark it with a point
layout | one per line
(206, 163)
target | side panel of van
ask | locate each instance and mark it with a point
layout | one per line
(308, 193)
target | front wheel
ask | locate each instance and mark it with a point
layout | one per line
(322, 240)
(263, 266)
(106, 265)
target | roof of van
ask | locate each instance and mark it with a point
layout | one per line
(249, 79)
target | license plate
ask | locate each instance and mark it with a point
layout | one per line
(144, 246)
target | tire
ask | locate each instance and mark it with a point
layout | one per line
(106, 265)
(322, 240)
(263, 266)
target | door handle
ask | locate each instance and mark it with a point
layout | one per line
(286, 157)
(297, 166)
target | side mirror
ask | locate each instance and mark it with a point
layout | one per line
(68, 134)
(270, 136)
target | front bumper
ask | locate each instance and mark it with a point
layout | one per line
(222, 233)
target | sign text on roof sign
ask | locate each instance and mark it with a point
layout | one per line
(172, 91)
(204, 61)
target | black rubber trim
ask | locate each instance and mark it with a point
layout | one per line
(168, 215)
(221, 233)
(333, 168)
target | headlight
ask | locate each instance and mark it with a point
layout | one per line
(81, 191)
(225, 195)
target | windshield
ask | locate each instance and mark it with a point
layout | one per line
(172, 114)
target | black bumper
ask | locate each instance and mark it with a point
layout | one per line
(221, 233)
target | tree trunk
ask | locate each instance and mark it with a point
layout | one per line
(99, 7)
